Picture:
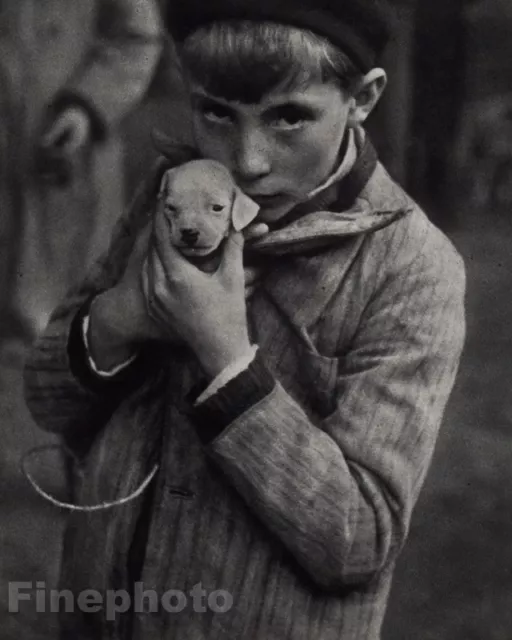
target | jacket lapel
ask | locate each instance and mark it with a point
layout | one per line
(314, 253)
(302, 285)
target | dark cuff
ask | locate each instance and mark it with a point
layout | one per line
(238, 395)
(67, 99)
(126, 379)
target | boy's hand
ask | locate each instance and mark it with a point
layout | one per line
(255, 231)
(129, 312)
(118, 317)
(252, 274)
(206, 310)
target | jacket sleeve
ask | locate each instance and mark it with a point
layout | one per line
(62, 395)
(339, 493)
(119, 65)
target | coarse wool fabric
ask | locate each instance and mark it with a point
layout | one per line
(300, 506)
(360, 28)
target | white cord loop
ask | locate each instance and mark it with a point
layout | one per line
(74, 507)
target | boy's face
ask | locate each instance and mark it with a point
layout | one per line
(279, 149)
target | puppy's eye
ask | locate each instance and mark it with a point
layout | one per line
(170, 209)
(218, 207)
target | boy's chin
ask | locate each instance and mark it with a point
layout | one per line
(273, 214)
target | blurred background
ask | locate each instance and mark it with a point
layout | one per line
(444, 130)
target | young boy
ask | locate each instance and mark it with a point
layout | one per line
(292, 423)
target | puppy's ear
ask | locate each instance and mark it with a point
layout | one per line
(243, 211)
(164, 183)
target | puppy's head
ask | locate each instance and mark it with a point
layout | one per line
(201, 202)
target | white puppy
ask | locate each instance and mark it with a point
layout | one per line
(202, 204)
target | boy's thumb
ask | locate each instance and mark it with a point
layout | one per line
(232, 262)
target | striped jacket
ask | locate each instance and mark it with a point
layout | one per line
(282, 502)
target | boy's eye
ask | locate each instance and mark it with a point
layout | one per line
(290, 117)
(216, 113)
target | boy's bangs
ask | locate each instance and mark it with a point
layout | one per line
(243, 61)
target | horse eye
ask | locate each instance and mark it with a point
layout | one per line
(218, 207)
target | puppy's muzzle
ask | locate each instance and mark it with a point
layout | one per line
(190, 236)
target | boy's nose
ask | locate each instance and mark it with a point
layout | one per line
(252, 158)
(190, 236)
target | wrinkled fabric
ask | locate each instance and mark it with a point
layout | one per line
(300, 507)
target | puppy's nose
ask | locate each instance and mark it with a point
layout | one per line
(190, 236)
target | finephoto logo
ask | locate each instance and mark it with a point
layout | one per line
(114, 602)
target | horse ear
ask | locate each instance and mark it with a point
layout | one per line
(243, 211)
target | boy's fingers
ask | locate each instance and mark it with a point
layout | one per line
(232, 261)
(158, 275)
(145, 283)
(255, 231)
(251, 274)
(148, 279)
(156, 284)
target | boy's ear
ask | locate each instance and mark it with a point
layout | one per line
(243, 210)
(365, 96)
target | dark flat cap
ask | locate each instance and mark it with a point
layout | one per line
(360, 28)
